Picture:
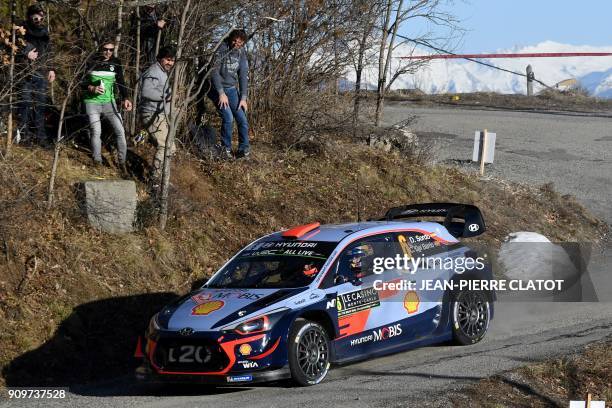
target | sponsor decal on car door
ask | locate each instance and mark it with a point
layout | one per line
(364, 319)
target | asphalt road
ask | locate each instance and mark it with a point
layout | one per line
(574, 152)
(521, 333)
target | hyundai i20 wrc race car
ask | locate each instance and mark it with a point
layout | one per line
(292, 303)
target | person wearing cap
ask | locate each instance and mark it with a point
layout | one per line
(154, 107)
(33, 60)
(229, 92)
(103, 74)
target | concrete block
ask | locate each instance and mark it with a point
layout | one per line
(111, 205)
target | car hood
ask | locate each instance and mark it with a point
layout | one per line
(210, 309)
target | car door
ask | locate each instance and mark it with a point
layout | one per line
(420, 301)
(364, 322)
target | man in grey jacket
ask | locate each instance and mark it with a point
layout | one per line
(229, 92)
(154, 107)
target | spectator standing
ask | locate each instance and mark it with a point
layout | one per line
(34, 59)
(229, 92)
(102, 75)
(154, 107)
(151, 27)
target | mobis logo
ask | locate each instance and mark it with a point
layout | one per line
(387, 332)
(381, 334)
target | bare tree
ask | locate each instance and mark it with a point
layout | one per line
(382, 69)
(136, 70)
(432, 11)
(176, 113)
(403, 68)
(75, 79)
(371, 12)
(186, 88)
(119, 27)
(308, 49)
(13, 48)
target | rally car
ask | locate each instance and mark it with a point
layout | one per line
(294, 302)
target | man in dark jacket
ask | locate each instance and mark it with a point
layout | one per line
(229, 92)
(33, 60)
(151, 26)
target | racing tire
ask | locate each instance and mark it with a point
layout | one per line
(309, 352)
(470, 315)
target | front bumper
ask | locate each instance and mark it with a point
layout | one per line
(146, 374)
(221, 359)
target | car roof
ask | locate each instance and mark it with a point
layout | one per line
(337, 232)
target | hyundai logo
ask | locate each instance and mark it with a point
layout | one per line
(473, 227)
(186, 331)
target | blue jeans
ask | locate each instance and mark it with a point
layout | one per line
(227, 119)
(33, 95)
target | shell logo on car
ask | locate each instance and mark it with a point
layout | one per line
(206, 308)
(411, 302)
(245, 349)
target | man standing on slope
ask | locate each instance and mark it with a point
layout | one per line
(101, 77)
(151, 27)
(154, 107)
(34, 58)
(229, 92)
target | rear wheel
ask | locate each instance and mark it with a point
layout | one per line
(471, 312)
(308, 352)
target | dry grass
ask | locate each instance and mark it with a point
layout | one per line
(550, 383)
(575, 101)
(65, 288)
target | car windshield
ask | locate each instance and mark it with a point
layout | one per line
(274, 264)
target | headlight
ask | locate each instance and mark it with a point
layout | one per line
(257, 324)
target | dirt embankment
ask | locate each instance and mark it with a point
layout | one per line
(73, 300)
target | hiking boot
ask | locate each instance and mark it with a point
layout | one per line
(97, 168)
(243, 154)
(123, 170)
(226, 154)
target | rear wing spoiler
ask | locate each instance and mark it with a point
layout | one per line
(461, 220)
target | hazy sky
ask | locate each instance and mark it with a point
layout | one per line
(502, 24)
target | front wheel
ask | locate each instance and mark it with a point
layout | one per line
(308, 352)
(471, 312)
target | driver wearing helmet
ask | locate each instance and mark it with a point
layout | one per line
(360, 260)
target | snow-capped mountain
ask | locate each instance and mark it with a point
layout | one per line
(441, 76)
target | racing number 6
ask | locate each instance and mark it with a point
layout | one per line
(405, 248)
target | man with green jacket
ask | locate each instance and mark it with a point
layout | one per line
(101, 77)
